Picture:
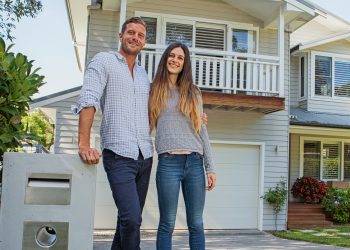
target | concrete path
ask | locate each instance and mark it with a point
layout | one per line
(219, 240)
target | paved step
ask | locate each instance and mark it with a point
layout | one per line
(309, 224)
(301, 215)
(307, 216)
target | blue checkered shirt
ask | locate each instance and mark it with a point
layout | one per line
(123, 100)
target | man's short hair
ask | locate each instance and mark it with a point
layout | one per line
(134, 19)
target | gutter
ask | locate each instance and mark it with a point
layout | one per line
(71, 26)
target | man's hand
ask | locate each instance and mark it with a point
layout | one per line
(204, 119)
(211, 180)
(89, 155)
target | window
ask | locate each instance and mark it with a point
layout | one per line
(202, 33)
(330, 161)
(178, 32)
(312, 159)
(342, 78)
(332, 76)
(326, 160)
(323, 75)
(347, 161)
(151, 34)
(243, 41)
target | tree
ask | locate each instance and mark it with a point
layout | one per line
(12, 11)
(18, 82)
(38, 125)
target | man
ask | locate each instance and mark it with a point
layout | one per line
(115, 83)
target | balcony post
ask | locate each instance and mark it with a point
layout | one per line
(122, 16)
(281, 50)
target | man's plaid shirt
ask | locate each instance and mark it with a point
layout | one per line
(123, 100)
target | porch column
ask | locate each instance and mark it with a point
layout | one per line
(281, 49)
(122, 16)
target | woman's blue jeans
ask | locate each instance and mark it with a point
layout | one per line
(185, 170)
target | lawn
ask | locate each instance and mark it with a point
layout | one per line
(336, 235)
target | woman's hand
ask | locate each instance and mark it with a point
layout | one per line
(211, 180)
(204, 119)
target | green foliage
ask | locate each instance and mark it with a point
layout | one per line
(276, 197)
(38, 125)
(12, 11)
(18, 82)
(337, 204)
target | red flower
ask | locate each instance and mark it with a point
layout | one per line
(309, 189)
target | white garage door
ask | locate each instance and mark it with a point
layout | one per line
(233, 204)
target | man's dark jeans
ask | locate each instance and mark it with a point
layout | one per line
(128, 179)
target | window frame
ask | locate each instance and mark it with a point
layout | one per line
(302, 98)
(335, 57)
(163, 18)
(322, 141)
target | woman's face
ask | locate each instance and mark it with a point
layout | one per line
(176, 61)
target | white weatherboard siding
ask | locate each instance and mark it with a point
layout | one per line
(294, 81)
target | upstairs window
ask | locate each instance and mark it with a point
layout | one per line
(179, 32)
(332, 76)
(151, 34)
(342, 78)
(323, 76)
(302, 80)
(243, 41)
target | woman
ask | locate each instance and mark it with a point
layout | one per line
(175, 107)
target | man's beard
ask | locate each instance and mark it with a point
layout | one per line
(130, 51)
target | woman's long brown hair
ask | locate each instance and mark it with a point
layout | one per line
(188, 92)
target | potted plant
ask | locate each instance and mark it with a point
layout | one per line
(309, 189)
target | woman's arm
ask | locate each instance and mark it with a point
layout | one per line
(208, 160)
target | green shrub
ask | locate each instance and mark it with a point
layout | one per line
(337, 204)
(18, 82)
(276, 197)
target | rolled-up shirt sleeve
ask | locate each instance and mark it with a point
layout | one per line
(95, 79)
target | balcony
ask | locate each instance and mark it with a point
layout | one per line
(229, 80)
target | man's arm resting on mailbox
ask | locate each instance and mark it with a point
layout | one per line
(88, 154)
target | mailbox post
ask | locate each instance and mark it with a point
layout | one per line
(47, 202)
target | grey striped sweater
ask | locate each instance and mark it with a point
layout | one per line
(175, 132)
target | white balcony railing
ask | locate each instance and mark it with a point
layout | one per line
(229, 72)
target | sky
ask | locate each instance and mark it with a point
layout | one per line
(47, 40)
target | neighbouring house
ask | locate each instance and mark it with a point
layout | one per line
(241, 61)
(320, 100)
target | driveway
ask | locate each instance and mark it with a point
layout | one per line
(218, 240)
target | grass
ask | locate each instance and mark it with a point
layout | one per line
(336, 235)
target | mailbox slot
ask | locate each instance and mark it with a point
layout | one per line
(48, 189)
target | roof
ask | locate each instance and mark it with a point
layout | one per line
(45, 100)
(300, 116)
(324, 40)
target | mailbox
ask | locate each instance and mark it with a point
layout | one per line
(47, 202)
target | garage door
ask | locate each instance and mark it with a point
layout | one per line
(233, 204)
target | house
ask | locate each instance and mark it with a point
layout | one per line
(320, 100)
(240, 59)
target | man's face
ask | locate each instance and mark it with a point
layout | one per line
(133, 39)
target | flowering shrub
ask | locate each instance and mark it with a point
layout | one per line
(309, 189)
(337, 204)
